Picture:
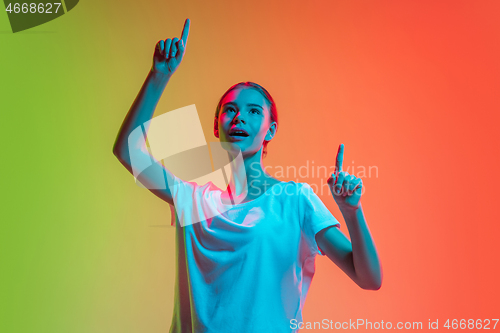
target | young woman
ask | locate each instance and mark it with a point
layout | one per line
(245, 255)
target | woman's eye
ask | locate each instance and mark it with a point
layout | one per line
(229, 109)
(256, 111)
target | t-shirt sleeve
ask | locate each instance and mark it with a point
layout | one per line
(314, 216)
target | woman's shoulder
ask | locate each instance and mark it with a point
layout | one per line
(275, 181)
(291, 187)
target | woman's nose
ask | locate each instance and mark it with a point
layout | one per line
(238, 118)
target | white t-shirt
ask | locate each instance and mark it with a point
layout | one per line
(247, 269)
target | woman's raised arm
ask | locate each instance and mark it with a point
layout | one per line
(358, 258)
(130, 145)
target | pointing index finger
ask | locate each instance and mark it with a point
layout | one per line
(185, 31)
(340, 158)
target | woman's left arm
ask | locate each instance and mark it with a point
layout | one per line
(358, 258)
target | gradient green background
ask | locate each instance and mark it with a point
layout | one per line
(408, 86)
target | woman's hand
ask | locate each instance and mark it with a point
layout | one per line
(169, 52)
(346, 189)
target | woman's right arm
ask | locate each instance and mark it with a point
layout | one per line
(130, 145)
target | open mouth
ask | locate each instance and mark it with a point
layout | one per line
(238, 133)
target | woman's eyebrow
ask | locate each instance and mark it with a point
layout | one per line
(257, 105)
(234, 104)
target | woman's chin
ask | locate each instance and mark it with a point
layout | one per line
(234, 148)
(231, 146)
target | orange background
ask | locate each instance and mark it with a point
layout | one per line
(409, 87)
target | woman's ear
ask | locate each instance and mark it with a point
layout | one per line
(216, 127)
(271, 132)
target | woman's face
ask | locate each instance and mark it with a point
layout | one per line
(247, 110)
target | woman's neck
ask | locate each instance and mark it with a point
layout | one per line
(247, 176)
